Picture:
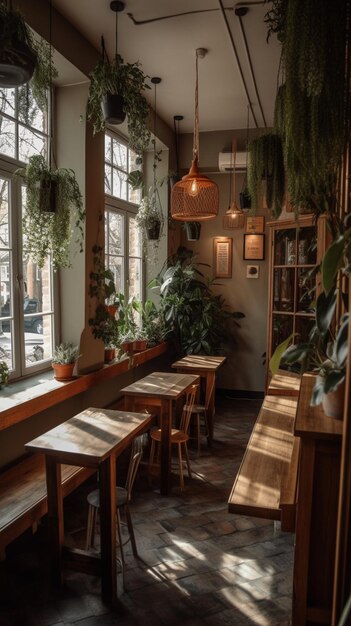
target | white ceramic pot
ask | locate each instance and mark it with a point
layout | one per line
(333, 402)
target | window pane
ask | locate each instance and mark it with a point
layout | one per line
(116, 265)
(119, 187)
(133, 161)
(108, 141)
(7, 101)
(108, 180)
(7, 137)
(28, 111)
(30, 143)
(134, 238)
(38, 346)
(119, 154)
(135, 278)
(115, 233)
(4, 213)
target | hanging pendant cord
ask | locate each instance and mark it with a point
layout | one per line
(196, 117)
(155, 164)
(50, 85)
(116, 39)
(230, 180)
(176, 129)
(233, 173)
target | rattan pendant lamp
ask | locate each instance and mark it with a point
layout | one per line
(234, 217)
(195, 197)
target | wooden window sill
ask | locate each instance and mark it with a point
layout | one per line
(21, 400)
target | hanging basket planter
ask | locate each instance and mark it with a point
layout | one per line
(193, 230)
(17, 64)
(113, 108)
(153, 231)
(47, 195)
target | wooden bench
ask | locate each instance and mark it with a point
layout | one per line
(266, 463)
(284, 383)
(23, 500)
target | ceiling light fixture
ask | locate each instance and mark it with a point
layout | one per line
(195, 197)
(234, 217)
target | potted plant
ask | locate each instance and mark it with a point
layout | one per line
(127, 342)
(149, 217)
(63, 360)
(140, 340)
(4, 374)
(193, 230)
(102, 283)
(196, 318)
(23, 59)
(153, 323)
(122, 84)
(54, 204)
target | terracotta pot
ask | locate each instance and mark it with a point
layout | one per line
(111, 310)
(127, 346)
(63, 372)
(110, 354)
(139, 345)
(333, 402)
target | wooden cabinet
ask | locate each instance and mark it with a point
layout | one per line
(316, 513)
(295, 248)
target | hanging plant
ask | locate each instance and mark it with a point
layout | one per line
(22, 58)
(126, 80)
(266, 163)
(54, 207)
(150, 218)
(312, 107)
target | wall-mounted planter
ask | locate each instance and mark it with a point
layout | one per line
(193, 230)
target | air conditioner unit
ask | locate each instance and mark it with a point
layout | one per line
(226, 161)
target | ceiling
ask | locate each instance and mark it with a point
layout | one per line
(166, 48)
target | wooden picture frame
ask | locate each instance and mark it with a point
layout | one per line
(223, 257)
(255, 224)
(253, 247)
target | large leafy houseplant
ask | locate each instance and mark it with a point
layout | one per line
(196, 318)
(54, 208)
(24, 59)
(128, 81)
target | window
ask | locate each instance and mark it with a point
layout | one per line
(26, 292)
(123, 245)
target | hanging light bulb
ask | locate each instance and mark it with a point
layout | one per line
(195, 197)
(234, 217)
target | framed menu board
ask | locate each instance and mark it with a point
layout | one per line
(253, 247)
(223, 257)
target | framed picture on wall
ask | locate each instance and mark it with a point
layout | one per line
(255, 224)
(223, 257)
(253, 247)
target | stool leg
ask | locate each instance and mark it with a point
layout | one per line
(187, 459)
(198, 432)
(181, 478)
(89, 527)
(131, 530)
(119, 532)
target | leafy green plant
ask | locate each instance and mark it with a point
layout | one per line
(266, 162)
(153, 323)
(53, 206)
(4, 373)
(126, 315)
(65, 353)
(194, 316)
(19, 48)
(311, 108)
(129, 81)
(102, 283)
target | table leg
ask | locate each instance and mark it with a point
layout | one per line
(210, 401)
(166, 426)
(129, 403)
(55, 516)
(107, 475)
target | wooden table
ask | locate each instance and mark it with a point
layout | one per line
(159, 390)
(206, 367)
(93, 438)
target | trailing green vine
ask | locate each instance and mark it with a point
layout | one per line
(53, 209)
(266, 163)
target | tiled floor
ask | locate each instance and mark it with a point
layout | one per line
(198, 564)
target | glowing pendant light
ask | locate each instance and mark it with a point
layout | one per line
(234, 217)
(195, 197)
